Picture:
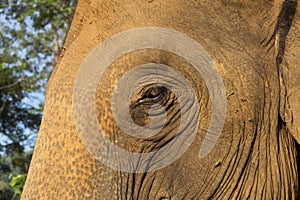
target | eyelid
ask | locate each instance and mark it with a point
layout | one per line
(160, 94)
(149, 92)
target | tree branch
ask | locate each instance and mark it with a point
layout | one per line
(4, 103)
(15, 5)
(10, 85)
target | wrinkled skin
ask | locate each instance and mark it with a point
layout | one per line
(255, 46)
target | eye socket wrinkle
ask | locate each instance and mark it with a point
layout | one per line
(153, 95)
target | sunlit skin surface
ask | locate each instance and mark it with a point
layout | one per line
(255, 47)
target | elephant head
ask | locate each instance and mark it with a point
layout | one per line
(161, 99)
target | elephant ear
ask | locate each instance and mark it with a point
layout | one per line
(290, 67)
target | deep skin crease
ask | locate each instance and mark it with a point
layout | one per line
(255, 45)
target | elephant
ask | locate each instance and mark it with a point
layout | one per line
(251, 92)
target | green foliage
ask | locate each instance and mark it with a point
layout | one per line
(15, 114)
(17, 184)
(32, 33)
(13, 171)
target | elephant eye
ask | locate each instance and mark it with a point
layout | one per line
(152, 97)
(153, 94)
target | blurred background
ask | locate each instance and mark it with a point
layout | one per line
(32, 34)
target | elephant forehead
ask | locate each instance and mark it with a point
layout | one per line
(216, 25)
